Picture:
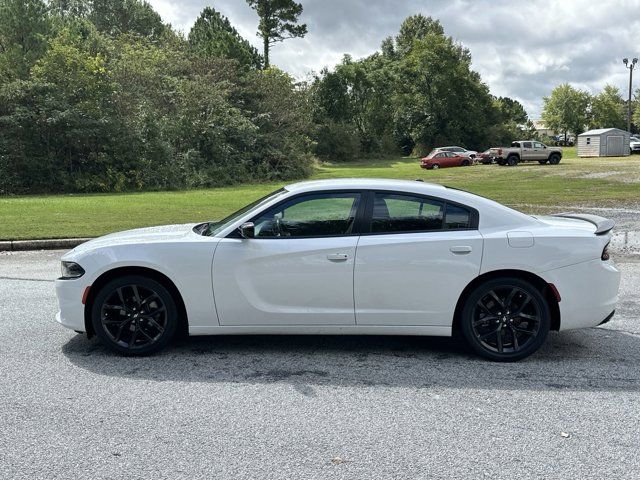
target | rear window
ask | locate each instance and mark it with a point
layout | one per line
(457, 217)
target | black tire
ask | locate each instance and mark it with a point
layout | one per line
(512, 160)
(465, 163)
(134, 315)
(435, 166)
(500, 336)
(554, 159)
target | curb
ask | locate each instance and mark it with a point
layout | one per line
(53, 244)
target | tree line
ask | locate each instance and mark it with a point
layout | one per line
(102, 95)
(571, 110)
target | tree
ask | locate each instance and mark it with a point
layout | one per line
(409, 97)
(115, 17)
(24, 26)
(132, 106)
(278, 22)
(608, 109)
(566, 110)
(70, 8)
(213, 35)
(435, 85)
(416, 27)
(635, 109)
(511, 111)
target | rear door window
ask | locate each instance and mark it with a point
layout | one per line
(405, 213)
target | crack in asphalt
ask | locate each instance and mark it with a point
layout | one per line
(27, 279)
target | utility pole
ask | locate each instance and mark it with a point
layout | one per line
(630, 65)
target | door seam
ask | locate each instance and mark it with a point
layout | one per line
(353, 281)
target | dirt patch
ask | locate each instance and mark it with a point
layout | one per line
(601, 174)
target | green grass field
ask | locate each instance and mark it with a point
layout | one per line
(528, 187)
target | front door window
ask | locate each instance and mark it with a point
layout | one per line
(314, 215)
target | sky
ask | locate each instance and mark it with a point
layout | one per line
(521, 48)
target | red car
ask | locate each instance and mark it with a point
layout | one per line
(438, 159)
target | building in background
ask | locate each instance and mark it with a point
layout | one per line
(541, 129)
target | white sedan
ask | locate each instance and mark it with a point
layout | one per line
(461, 152)
(349, 257)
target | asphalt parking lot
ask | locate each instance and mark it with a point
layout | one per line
(310, 407)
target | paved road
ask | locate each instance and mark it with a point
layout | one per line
(267, 408)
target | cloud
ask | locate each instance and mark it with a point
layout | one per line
(521, 49)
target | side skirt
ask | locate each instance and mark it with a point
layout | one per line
(435, 331)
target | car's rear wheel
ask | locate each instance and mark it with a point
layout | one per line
(466, 163)
(512, 161)
(134, 315)
(505, 319)
(554, 159)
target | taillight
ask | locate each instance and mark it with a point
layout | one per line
(605, 253)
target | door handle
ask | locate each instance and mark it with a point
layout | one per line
(461, 249)
(337, 257)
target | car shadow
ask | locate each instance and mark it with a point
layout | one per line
(596, 359)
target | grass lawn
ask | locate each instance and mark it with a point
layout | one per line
(528, 187)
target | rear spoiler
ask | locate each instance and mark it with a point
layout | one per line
(603, 225)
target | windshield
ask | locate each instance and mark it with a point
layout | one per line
(216, 227)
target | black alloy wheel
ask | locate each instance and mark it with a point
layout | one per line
(134, 315)
(506, 319)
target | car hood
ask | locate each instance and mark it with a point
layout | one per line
(139, 235)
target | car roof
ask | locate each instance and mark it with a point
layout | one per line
(493, 214)
(365, 183)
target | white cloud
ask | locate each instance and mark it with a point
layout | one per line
(522, 49)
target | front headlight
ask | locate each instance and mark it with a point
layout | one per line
(71, 270)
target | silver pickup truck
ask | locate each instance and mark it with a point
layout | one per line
(526, 151)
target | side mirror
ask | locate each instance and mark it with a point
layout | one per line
(247, 230)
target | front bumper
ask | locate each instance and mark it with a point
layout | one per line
(71, 313)
(589, 292)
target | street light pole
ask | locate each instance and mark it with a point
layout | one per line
(630, 65)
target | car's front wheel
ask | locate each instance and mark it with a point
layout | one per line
(134, 315)
(505, 319)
